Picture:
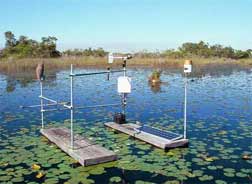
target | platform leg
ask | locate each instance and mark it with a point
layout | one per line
(41, 105)
(72, 109)
(185, 108)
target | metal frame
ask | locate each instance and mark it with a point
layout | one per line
(71, 107)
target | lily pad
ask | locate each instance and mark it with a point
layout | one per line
(220, 182)
(115, 179)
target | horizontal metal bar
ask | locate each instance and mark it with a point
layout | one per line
(96, 73)
(48, 99)
(119, 57)
(84, 107)
(31, 106)
(46, 105)
(67, 106)
(51, 110)
(94, 106)
(93, 73)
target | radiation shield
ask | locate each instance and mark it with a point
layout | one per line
(124, 85)
(110, 58)
(187, 68)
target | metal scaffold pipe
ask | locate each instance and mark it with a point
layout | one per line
(41, 105)
(185, 107)
(72, 108)
(187, 70)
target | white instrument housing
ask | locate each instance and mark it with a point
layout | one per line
(187, 68)
(124, 84)
(110, 58)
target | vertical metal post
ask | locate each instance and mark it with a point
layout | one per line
(41, 104)
(124, 95)
(185, 107)
(72, 108)
(123, 103)
(108, 75)
(124, 68)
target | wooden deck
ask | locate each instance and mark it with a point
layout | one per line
(130, 129)
(85, 152)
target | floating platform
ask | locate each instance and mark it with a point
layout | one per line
(154, 136)
(85, 152)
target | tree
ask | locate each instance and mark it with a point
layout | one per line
(10, 39)
(239, 54)
(99, 52)
(249, 51)
(23, 40)
(48, 47)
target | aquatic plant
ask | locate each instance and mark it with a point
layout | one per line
(154, 78)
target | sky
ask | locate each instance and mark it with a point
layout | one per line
(129, 25)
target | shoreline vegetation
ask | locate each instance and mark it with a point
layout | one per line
(29, 64)
(24, 69)
(23, 54)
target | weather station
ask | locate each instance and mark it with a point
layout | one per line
(82, 149)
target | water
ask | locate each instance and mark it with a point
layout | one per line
(219, 129)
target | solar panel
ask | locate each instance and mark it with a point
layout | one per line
(160, 133)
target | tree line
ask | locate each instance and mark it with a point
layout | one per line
(200, 49)
(99, 52)
(23, 47)
(205, 50)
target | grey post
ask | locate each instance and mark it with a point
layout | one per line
(187, 69)
(124, 95)
(41, 104)
(72, 108)
(124, 68)
(185, 106)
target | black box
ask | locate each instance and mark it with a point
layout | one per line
(119, 118)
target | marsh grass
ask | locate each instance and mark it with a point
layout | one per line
(55, 64)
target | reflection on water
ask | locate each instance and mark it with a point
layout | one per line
(11, 84)
(24, 79)
(155, 87)
(219, 129)
(218, 70)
